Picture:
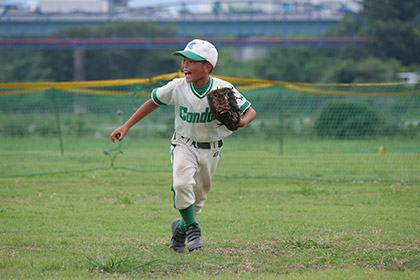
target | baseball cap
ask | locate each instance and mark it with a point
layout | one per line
(200, 50)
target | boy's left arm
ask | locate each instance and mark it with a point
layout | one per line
(248, 116)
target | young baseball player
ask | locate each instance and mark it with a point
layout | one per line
(198, 137)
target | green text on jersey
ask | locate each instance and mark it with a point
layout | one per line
(195, 117)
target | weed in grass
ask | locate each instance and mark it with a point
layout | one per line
(116, 263)
(304, 244)
(315, 190)
(125, 200)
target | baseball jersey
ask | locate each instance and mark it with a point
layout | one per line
(193, 118)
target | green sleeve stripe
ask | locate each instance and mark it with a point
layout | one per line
(155, 98)
(245, 106)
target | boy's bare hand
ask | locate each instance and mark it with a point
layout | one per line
(247, 117)
(118, 134)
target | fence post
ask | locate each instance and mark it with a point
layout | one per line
(57, 120)
(281, 119)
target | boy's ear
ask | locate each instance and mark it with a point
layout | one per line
(209, 67)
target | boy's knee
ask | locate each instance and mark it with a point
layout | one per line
(183, 185)
(184, 192)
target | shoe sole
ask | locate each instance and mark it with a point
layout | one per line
(195, 248)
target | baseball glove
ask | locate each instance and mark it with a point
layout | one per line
(224, 107)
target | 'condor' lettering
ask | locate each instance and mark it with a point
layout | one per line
(194, 117)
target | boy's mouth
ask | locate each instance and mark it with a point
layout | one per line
(187, 74)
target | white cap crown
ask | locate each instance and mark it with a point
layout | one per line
(200, 50)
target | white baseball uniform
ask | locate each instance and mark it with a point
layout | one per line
(197, 141)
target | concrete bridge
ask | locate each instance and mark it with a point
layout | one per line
(34, 31)
(209, 25)
(251, 31)
(286, 19)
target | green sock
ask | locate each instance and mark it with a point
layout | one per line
(188, 216)
(181, 224)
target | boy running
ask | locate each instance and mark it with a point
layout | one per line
(198, 137)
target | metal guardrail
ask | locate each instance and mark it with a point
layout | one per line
(171, 43)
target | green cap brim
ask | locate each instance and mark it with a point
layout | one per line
(190, 55)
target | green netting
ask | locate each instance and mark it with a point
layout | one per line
(302, 131)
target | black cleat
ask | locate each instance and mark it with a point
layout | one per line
(178, 238)
(194, 239)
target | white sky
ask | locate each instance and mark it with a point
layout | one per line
(137, 3)
(131, 2)
(32, 4)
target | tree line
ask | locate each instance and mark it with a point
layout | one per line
(393, 46)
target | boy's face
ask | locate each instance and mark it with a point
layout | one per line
(196, 72)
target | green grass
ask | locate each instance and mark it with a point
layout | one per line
(115, 224)
(305, 159)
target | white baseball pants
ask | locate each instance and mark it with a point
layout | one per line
(193, 170)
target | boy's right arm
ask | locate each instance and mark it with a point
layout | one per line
(144, 110)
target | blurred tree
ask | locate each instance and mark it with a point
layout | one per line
(396, 39)
(112, 63)
(369, 69)
(389, 10)
(396, 32)
(22, 66)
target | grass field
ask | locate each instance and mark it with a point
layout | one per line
(307, 159)
(115, 224)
